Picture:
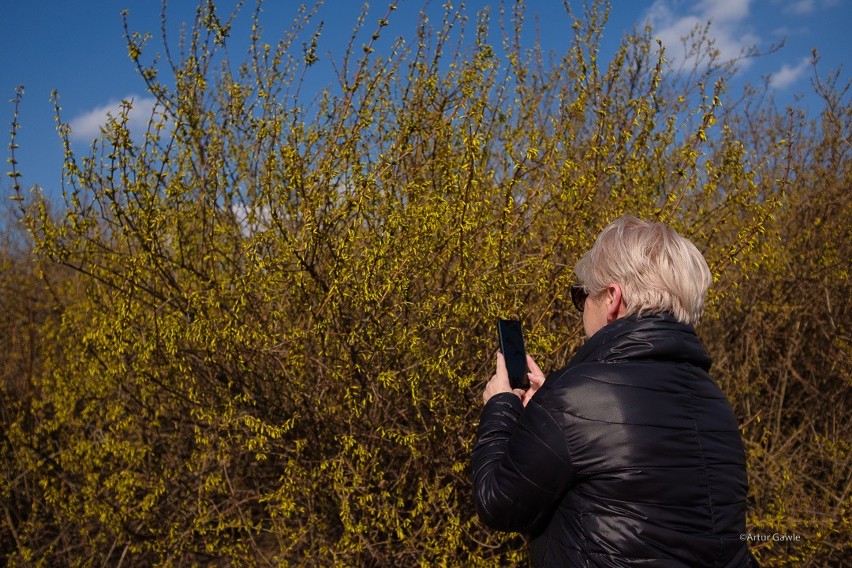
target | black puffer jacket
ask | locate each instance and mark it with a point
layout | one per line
(629, 456)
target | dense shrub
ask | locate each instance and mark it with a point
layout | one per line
(280, 315)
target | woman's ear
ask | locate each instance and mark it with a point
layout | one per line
(615, 305)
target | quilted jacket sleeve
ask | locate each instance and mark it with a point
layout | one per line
(521, 464)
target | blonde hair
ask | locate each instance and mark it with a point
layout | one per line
(658, 270)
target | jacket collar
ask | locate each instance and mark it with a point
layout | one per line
(649, 336)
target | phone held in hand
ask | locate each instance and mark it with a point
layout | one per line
(512, 347)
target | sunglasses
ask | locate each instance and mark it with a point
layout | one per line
(578, 296)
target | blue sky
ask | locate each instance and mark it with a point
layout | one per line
(78, 49)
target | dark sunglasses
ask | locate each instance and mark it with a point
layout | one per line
(578, 296)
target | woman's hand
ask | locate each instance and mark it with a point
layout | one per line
(500, 381)
(536, 380)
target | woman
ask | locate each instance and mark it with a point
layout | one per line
(630, 455)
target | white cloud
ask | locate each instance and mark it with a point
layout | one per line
(87, 126)
(787, 75)
(802, 7)
(728, 28)
(251, 219)
(721, 11)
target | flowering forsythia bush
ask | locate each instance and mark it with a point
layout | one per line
(258, 334)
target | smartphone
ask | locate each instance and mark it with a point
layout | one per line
(512, 346)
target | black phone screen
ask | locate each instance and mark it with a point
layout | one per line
(512, 346)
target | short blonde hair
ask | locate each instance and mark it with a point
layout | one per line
(658, 270)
